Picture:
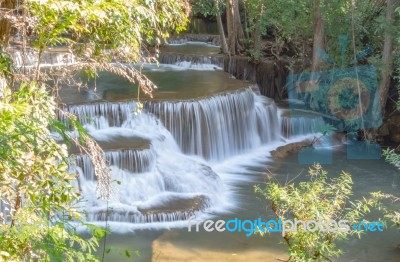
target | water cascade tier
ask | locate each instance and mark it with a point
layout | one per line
(161, 153)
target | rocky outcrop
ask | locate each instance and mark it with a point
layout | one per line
(189, 205)
(270, 75)
(283, 151)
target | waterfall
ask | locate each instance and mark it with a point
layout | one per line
(55, 57)
(220, 126)
(191, 61)
(135, 161)
(214, 128)
(176, 188)
(295, 125)
(101, 114)
(209, 39)
(268, 122)
(160, 157)
(161, 181)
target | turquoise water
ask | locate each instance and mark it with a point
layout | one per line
(174, 83)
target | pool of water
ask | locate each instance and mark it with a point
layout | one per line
(174, 83)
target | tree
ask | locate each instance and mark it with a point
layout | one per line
(235, 30)
(5, 25)
(224, 45)
(39, 201)
(318, 39)
(96, 32)
(387, 56)
(213, 8)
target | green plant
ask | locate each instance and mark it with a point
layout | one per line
(38, 197)
(389, 205)
(39, 204)
(319, 199)
(95, 33)
(391, 157)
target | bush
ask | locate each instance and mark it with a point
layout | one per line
(319, 199)
(38, 201)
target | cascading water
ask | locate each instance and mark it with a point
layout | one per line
(193, 61)
(161, 157)
(56, 57)
(151, 181)
(160, 183)
(220, 126)
(301, 125)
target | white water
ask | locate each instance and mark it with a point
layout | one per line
(49, 58)
(190, 61)
(196, 149)
(301, 125)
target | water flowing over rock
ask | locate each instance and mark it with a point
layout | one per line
(214, 128)
(301, 125)
(192, 61)
(101, 114)
(160, 157)
(220, 126)
(135, 161)
(182, 39)
(52, 57)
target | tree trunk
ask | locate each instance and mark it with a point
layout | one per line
(256, 34)
(318, 36)
(386, 59)
(230, 21)
(5, 26)
(246, 25)
(238, 23)
(224, 46)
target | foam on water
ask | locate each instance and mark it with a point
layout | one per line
(198, 151)
(220, 126)
(232, 171)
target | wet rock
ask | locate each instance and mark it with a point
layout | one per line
(284, 151)
(270, 75)
(177, 204)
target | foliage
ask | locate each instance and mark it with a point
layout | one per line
(94, 33)
(38, 200)
(319, 199)
(107, 25)
(208, 7)
(389, 205)
(391, 157)
(390, 154)
(292, 23)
